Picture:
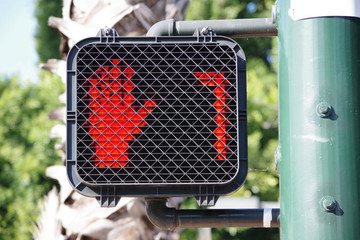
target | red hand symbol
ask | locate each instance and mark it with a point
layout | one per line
(113, 121)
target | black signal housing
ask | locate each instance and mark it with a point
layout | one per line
(156, 117)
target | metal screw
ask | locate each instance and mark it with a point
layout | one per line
(205, 30)
(107, 31)
(328, 203)
(323, 109)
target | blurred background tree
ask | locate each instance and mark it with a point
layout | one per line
(26, 147)
(26, 151)
(47, 39)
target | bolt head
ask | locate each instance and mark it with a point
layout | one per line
(328, 203)
(323, 109)
(205, 30)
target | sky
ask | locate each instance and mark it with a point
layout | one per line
(17, 44)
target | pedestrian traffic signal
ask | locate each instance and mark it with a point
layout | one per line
(156, 116)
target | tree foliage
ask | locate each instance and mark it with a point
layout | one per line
(235, 9)
(26, 147)
(47, 39)
(26, 151)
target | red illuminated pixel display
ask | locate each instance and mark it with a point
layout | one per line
(114, 121)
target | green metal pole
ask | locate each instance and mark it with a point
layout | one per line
(319, 106)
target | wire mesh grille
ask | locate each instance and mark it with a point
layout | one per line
(156, 113)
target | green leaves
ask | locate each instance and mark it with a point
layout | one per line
(47, 39)
(25, 150)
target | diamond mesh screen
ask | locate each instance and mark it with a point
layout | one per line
(156, 113)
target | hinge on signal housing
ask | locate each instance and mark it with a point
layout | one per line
(206, 197)
(108, 196)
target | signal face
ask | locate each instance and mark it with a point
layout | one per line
(153, 115)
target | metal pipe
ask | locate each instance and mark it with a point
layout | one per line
(235, 28)
(170, 218)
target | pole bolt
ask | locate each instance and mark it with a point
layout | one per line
(323, 109)
(328, 203)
